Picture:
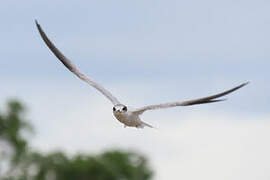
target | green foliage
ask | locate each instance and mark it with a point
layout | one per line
(27, 165)
(12, 126)
(111, 165)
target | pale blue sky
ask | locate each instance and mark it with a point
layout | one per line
(182, 49)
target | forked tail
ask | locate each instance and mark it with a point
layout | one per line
(145, 124)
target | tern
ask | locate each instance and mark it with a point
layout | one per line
(126, 115)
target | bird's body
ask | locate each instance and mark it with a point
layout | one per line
(128, 116)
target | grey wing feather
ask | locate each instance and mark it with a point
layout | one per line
(73, 68)
(208, 99)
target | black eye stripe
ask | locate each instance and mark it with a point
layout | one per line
(114, 109)
(125, 108)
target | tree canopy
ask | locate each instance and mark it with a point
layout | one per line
(18, 162)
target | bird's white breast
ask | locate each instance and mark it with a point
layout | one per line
(128, 118)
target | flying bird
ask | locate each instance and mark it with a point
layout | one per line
(126, 115)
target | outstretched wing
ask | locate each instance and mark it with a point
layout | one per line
(209, 99)
(73, 68)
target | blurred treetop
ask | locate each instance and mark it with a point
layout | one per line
(18, 162)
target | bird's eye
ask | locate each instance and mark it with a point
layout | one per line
(114, 109)
(125, 108)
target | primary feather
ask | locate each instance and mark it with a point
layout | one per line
(73, 68)
(208, 99)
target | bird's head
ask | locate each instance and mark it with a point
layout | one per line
(119, 108)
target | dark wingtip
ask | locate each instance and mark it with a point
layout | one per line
(241, 85)
(244, 84)
(36, 22)
(216, 100)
